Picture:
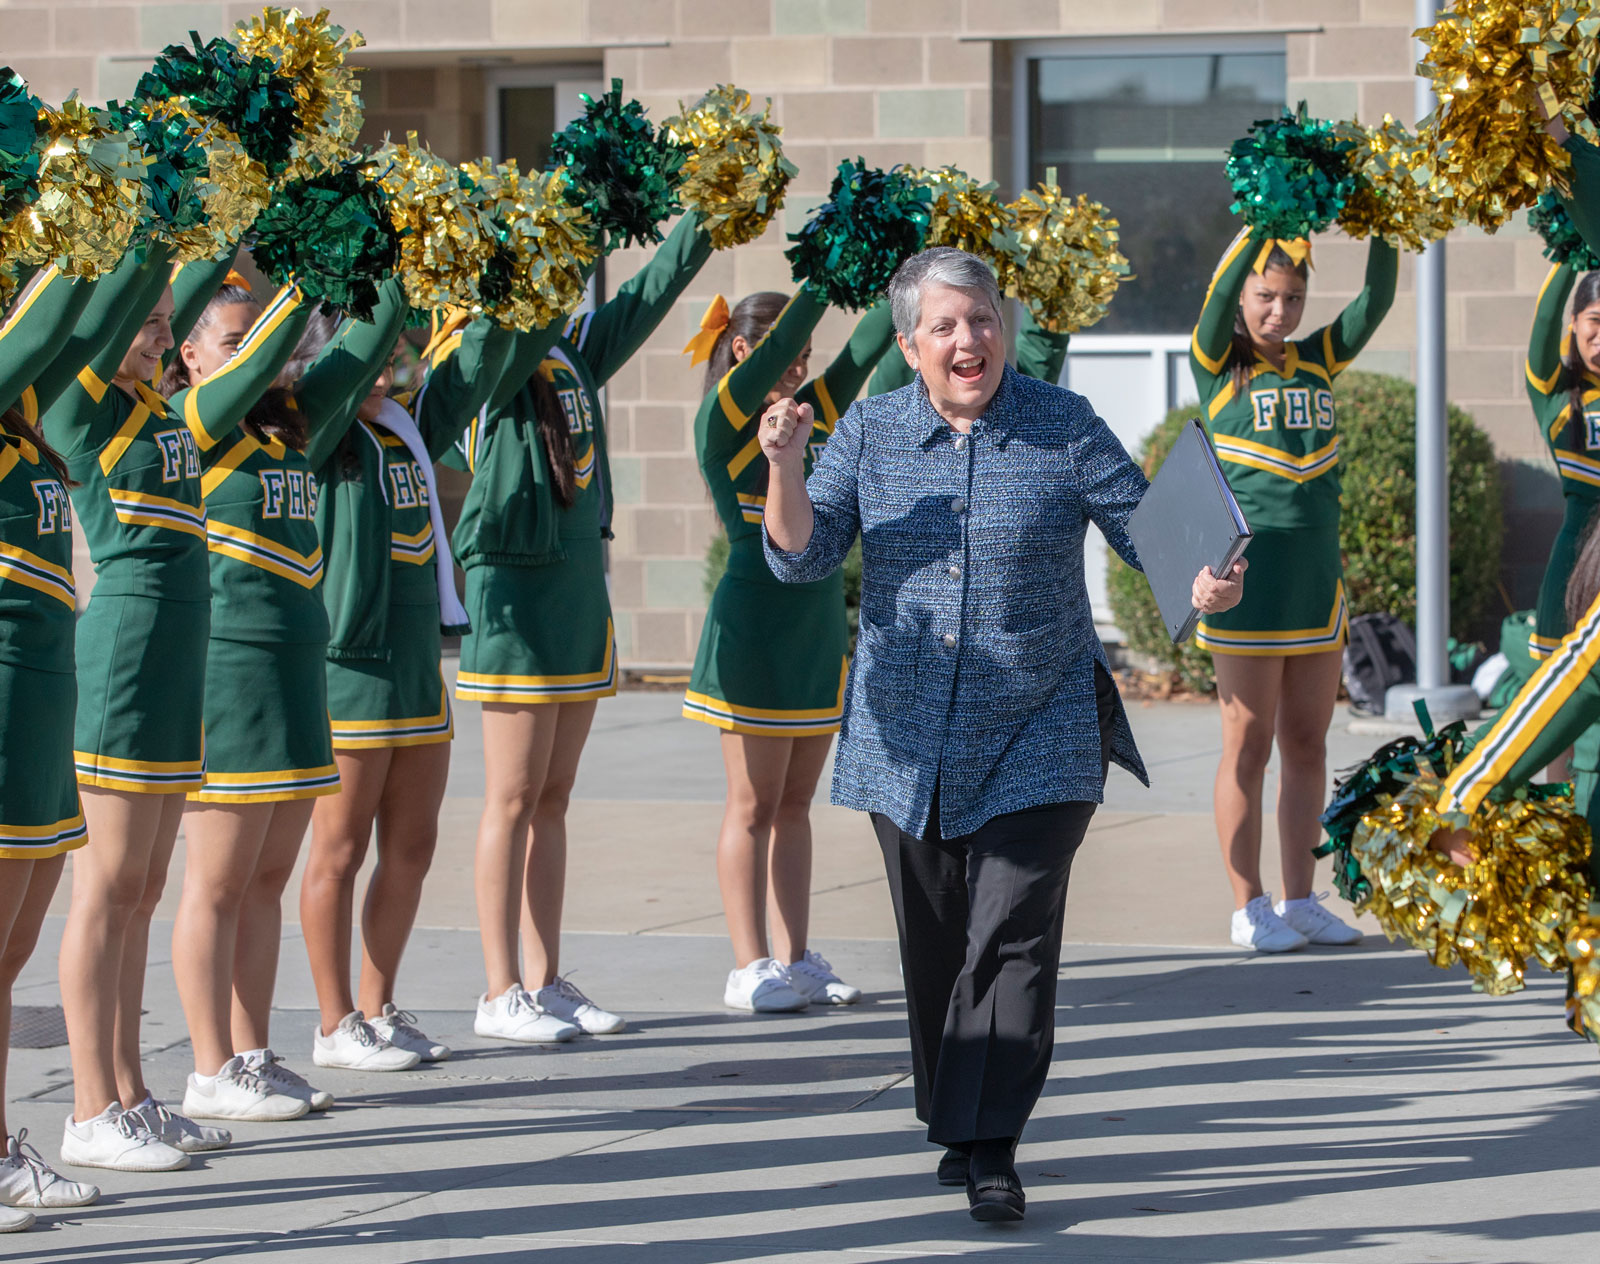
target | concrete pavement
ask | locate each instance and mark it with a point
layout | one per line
(1339, 1105)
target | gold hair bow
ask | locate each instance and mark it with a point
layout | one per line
(236, 279)
(1298, 249)
(445, 324)
(712, 325)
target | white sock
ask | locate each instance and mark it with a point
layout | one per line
(251, 1057)
(204, 1081)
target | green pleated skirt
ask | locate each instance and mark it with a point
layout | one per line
(398, 702)
(39, 812)
(1293, 598)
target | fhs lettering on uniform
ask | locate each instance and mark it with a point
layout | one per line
(408, 485)
(1295, 407)
(180, 455)
(289, 494)
(55, 506)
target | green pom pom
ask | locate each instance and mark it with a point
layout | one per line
(623, 173)
(245, 94)
(332, 234)
(181, 163)
(1291, 175)
(1562, 241)
(872, 221)
(19, 142)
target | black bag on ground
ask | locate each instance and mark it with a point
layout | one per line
(1382, 652)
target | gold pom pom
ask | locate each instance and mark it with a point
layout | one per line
(1527, 883)
(1493, 63)
(1392, 200)
(539, 275)
(236, 190)
(446, 241)
(1072, 267)
(1583, 977)
(734, 173)
(968, 216)
(311, 51)
(91, 194)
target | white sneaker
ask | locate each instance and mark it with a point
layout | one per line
(399, 1028)
(26, 1180)
(117, 1140)
(15, 1221)
(514, 1015)
(1315, 922)
(813, 976)
(563, 999)
(179, 1132)
(272, 1069)
(763, 987)
(1257, 926)
(355, 1046)
(237, 1092)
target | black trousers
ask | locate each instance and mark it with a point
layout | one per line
(980, 920)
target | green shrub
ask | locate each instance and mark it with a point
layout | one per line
(717, 562)
(1378, 528)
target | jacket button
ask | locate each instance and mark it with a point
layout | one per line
(961, 443)
(954, 572)
(949, 640)
(958, 505)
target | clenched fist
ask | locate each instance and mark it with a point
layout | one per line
(785, 432)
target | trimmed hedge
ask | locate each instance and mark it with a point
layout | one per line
(1378, 527)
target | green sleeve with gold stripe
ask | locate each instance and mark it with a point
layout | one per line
(461, 376)
(1040, 354)
(830, 393)
(608, 337)
(1353, 329)
(213, 408)
(892, 373)
(331, 389)
(194, 285)
(34, 330)
(527, 354)
(1213, 331)
(1544, 339)
(1583, 207)
(744, 388)
(1558, 703)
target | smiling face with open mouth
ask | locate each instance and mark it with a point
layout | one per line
(959, 348)
(154, 339)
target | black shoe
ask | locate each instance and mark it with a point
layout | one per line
(997, 1197)
(953, 1167)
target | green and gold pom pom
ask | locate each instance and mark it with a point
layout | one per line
(1072, 265)
(1562, 241)
(623, 173)
(1391, 199)
(331, 233)
(1290, 175)
(91, 193)
(1494, 64)
(967, 215)
(1527, 883)
(446, 239)
(246, 94)
(21, 150)
(546, 246)
(311, 53)
(734, 172)
(1583, 976)
(849, 248)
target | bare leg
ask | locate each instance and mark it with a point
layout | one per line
(224, 846)
(110, 878)
(545, 881)
(341, 829)
(1248, 689)
(131, 1089)
(756, 768)
(516, 755)
(408, 829)
(789, 863)
(259, 937)
(1305, 709)
(25, 890)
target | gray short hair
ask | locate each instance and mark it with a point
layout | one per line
(938, 265)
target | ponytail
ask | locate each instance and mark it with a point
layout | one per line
(16, 424)
(750, 319)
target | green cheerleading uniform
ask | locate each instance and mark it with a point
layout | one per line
(141, 642)
(385, 683)
(1279, 445)
(1573, 437)
(536, 594)
(1040, 355)
(266, 715)
(772, 659)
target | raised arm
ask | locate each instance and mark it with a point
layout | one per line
(1549, 324)
(1040, 353)
(528, 350)
(32, 335)
(1342, 341)
(745, 387)
(1213, 332)
(809, 524)
(831, 392)
(462, 373)
(193, 286)
(331, 389)
(1583, 207)
(892, 373)
(608, 338)
(213, 408)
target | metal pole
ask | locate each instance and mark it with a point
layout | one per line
(1445, 702)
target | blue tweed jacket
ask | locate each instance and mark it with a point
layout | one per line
(974, 670)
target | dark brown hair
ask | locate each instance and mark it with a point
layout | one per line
(1584, 585)
(1585, 296)
(555, 433)
(750, 319)
(1242, 351)
(274, 415)
(15, 423)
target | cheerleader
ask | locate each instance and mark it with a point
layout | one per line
(542, 648)
(389, 585)
(771, 667)
(1269, 404)
(268, 751)
(40, 816)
